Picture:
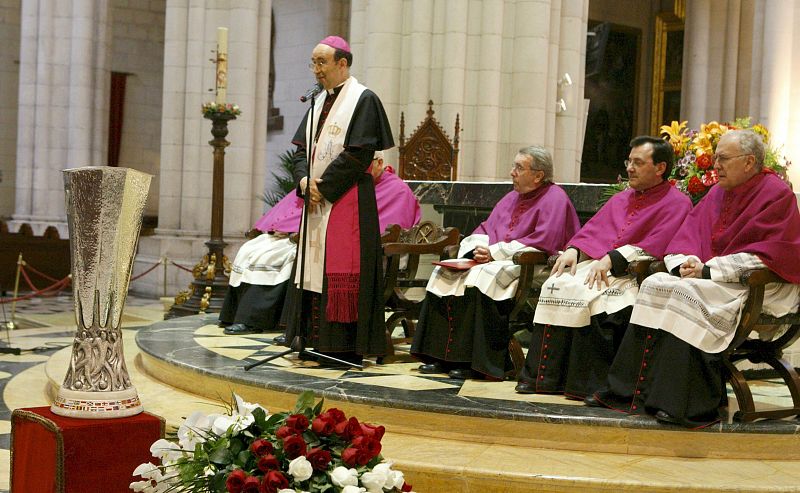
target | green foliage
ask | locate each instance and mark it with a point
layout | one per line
(284, 179)
(610, 191)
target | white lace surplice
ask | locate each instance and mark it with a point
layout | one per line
(568, 302)
(706, 312)
(265, 260)
(497, 279)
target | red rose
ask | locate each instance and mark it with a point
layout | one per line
(406, 487)
(274, 481)
(284, 431)
(294, 446)
(350, 456)
(372, 431)
(235, 481)
(261, 447)
(251, 485)
(348, 429)
(369, 446)
(319, 458)
(695, 185)
(322, 425)
(704, 161)
(673, 181)
(297, 422)
(336, 415)
(268, 463)
(710, 178)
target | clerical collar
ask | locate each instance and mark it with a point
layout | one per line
(336, 90)
(533, 193)
(654, 188)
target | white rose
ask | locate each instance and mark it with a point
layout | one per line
(373, 481)
(394, 479)
(342, 476)
(352, 489)
(300, 468)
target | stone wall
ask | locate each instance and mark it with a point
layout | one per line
(9, 82)
(138, 50)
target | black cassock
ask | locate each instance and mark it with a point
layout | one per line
(369, 131)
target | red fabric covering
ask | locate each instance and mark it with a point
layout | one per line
(759, 216)
(51, 453)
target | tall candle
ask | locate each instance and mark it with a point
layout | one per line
(222, 64)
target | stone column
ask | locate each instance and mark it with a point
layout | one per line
(496, 63)
(185, 181)
(63, 106)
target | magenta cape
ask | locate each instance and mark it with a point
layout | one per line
(759, 216)
(396, 205)
(648, 220)
(543, 219)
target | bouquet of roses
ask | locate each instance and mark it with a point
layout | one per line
(694, 172)
(246, 450)
(227, 108)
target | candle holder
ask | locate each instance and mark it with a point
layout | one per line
(207, 290)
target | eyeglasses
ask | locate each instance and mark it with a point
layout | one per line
(317, 64)
(518, 168)
(636, 163)
(717, 158)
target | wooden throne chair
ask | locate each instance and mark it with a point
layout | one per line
(428, 154)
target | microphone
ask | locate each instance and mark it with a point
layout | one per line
(311, 92)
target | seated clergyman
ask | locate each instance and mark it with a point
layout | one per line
(463, 325)
(257, 290)
(669, 362)
(584, 307)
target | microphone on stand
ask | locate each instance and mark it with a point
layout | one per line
(311, 92)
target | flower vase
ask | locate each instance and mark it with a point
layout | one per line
(104, 213)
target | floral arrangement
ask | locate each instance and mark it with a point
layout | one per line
(694, 172)
(211, 107)
(246, 450)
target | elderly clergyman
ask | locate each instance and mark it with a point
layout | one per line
(463, 327)
(584, 308)
(669, 362)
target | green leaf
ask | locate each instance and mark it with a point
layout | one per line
(318, 407)
(304, 401)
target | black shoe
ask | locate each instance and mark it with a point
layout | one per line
(593, 401)
(432, 368)
(665, 417)
(461, 374)
(240, 329)
(280, 340)
(525, 388)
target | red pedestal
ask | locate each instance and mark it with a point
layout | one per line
(51, 453)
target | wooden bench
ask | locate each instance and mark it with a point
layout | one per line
(402, 262)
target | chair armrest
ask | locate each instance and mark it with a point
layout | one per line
(639, 269)
(760, 277)
(529, 258)
(450, 252)
(657, 266)
(253, 233)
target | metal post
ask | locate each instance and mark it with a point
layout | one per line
(20, 263)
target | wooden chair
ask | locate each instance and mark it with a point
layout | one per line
(401, 276)
(744, 347)
(428, 155)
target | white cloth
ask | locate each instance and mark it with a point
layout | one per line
(705, 312)
(326, 149)
(265, 260)
(568, 302)
(497, 279)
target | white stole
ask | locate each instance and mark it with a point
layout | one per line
(323, 152)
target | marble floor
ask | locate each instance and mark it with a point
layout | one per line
(447, 434)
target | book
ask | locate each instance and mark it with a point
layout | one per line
(457, 264)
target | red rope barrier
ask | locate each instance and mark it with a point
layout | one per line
(180, 266)
(60, 285)
(151, 269)
(28, 279)
(40, 274)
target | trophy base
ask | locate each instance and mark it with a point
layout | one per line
(97, 405)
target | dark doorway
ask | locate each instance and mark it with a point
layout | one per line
(612, 93)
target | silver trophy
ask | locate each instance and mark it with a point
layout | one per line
(104, 212)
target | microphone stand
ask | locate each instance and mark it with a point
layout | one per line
(298, 344)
